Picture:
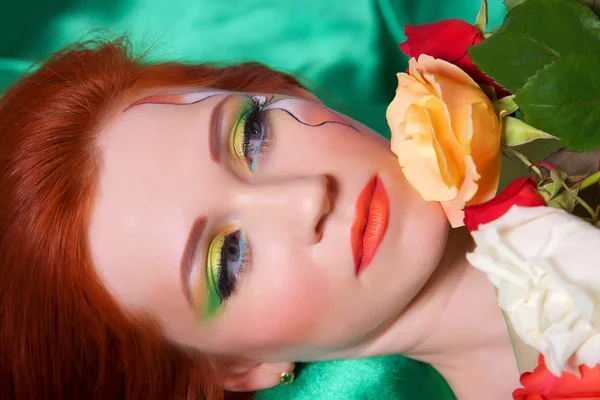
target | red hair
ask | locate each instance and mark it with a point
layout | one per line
(62, 336)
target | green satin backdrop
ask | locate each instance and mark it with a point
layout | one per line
(378, 378)
(344, 50)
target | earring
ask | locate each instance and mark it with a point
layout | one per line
(286, 377)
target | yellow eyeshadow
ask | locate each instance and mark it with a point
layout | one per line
(213, 263)
(236, 140)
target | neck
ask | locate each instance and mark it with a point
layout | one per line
(456, 325)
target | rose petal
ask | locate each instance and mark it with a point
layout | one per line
(448, 40)
(521, 192)
(447, 149)
(542, 384)
(441, 110)
(420, 174)
(484, 150)
(540, 259)
(442, 68)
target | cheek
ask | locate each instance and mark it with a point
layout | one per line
(423, 240)
(284, 303)
(331, 148)
(331, 134)
(294, 307)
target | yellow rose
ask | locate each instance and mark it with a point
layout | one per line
(446, 136)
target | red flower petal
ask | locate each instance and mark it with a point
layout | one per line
(449, 41)
(446, 39)
(405, 47)
(541, 384)
(521, 192)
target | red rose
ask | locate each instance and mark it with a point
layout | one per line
(521, 192)
(448, 40)
(541, 384)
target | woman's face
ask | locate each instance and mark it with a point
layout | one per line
(260, 226)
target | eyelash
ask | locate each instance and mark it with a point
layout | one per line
(223, 285)
(226, 281)
(227, 271)
(254, 124)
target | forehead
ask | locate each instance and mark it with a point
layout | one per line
(136, 141)
(148, 191)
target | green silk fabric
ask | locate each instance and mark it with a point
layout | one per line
(346, 51)
(379, 378)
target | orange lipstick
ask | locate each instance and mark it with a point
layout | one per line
(370, 223)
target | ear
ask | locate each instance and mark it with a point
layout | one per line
(248, 376)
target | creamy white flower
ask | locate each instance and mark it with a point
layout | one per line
(545, 264)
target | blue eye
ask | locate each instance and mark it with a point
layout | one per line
(254, 136)
(227, 259)
(250, 134)
(233, 256)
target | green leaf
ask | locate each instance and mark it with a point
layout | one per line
(593, 4)
(512, 3)
(549, 190)
(555, 194)
(505, 105)
(516, 132)
(575, 163)
(563, 201)
(590, 180)
(563, 99)
(533, 35)
(482, 17)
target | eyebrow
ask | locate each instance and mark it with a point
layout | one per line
(188, 268)
(215, 130)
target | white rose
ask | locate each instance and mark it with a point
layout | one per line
(545, 264)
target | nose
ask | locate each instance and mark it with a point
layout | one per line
(298, 205)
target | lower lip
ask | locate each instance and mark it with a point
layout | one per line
(372, 212)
